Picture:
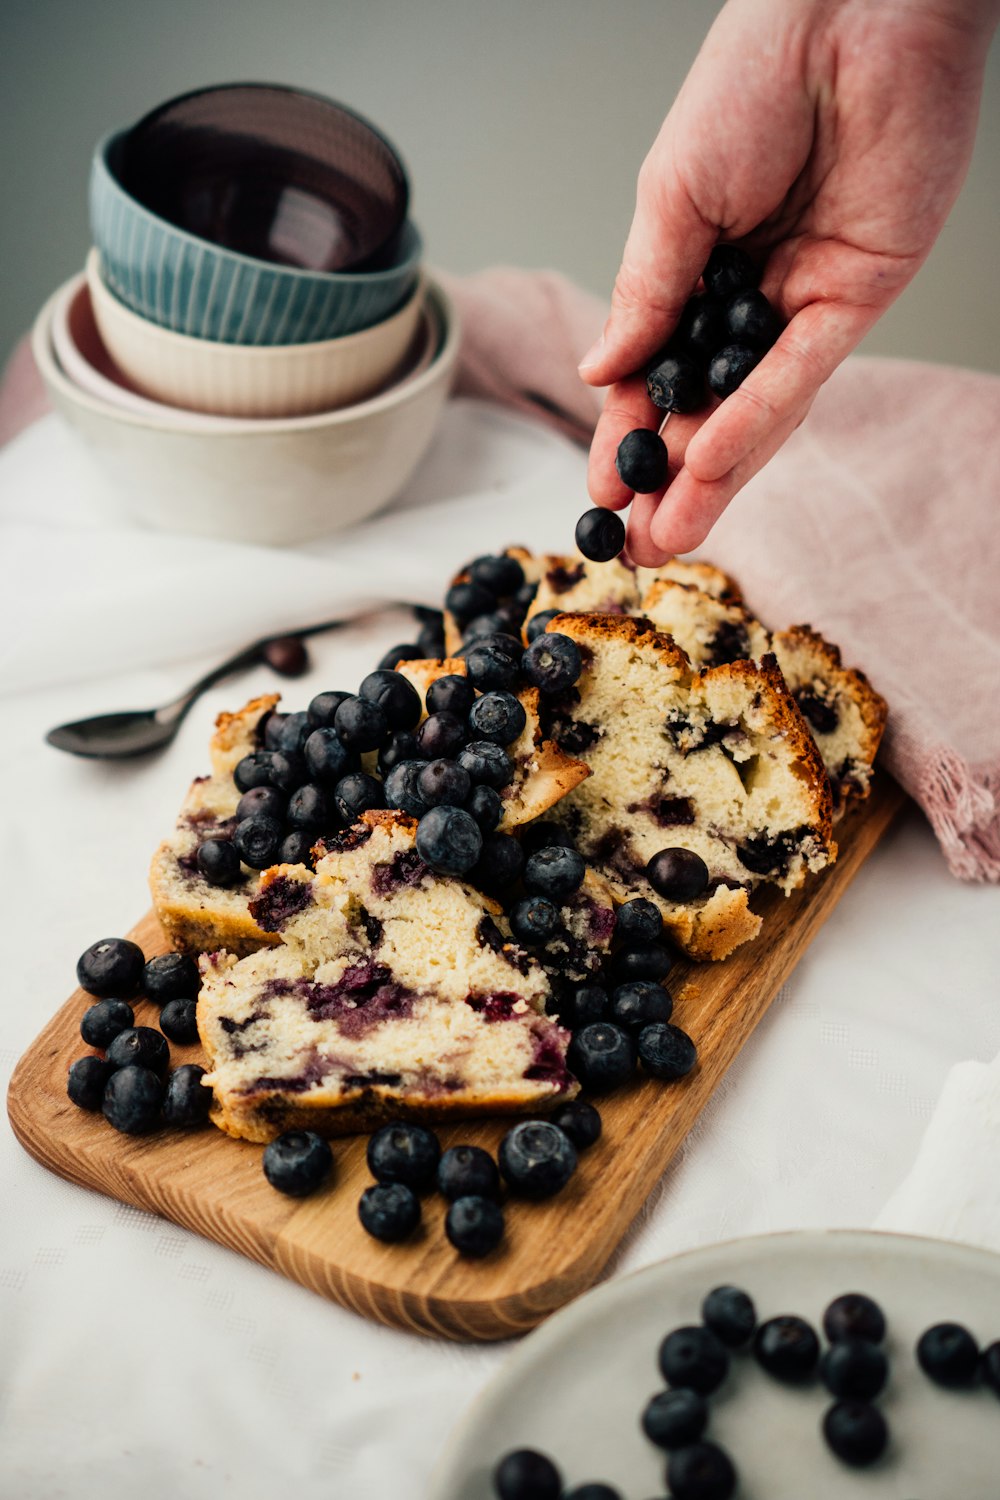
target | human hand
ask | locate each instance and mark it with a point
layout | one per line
(828, 137)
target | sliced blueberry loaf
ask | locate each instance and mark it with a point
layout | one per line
(703, 785)
(709, 630)
(394, 992)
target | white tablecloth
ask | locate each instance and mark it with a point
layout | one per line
(139, 1359)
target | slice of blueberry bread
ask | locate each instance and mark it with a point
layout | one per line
(700, 575)
(194, 913)
(719, 765)
(709, 630)
(394, 992)
(574, 583)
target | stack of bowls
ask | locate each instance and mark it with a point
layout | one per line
(255, 348)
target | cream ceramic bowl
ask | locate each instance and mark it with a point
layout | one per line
(262, 482)
(248, 380)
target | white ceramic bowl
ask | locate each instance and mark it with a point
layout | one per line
(261, 482)
(83, 357)
(247, 380)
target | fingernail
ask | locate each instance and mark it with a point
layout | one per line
(593, 355)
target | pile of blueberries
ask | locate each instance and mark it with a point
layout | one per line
(536, 1159)
(695, 1360)
(129, 1078)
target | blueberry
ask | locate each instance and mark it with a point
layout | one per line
(474, 1225)
(401, 745)
(219, 862)
(133, 1098)
(500, 863)
(580, 1121)
(730, 367)
(641, 961)
(540, 622)
(948, 1354)
(288, 770)
(467, 1170)
(990, 1366)
(729, 270)
(186, 1101)
(525, 597)
(297, 1162)
(672, 1419)
(112, 966)
(390, 1211)
(555, 872)
(537, 1159)
(534, 920)
(400, 788)
(327, 759)
(593, 1490)
(102, 1022)
(752, 320)
(675, 382)
(254, 770)
(87, 1081)
(854, 1316)
(361, 724)
(588, 1003)
(266, 800)
(441, 736)
(856, 1432)
(428, 614)
(498, 717)
(489, 668)
(444, 783)
(502, 576)
(431, 642)
(357, 793)
(642, 461)
(296, 849)
(482, 626)
(449, 840)
(854, 1367)
(678, 874)
(527, 1475)
(294, 732)
(638, 921)
(269, 730)
(170, 976)
(466, 600)
(178, 1021)
(693, 1357)
(257, 840)
(552, 663)
(485, 806)
(701, 328)
(544, 834)
(309, 809)
(640, 1002)
(730, 1314)
(600, 535)
(323, 709)
(602, 1056)
(487, 764)
(395, 696)
(451, 694)
(143, 1045)
(396, 654)
(701, 1471)
(787, 1348)
(400, 1152)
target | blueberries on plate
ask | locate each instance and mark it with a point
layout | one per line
(441, 736)
(555, 872)
(948, 1354)
(642, 461)
(693, 1357)
(323, 708)
(540, 622)
(786, 1347)
(139, 1044)
(525, 1474)
(327, 758)
(666, 1051)
(466, 600)
(641, 961)
(675, 382)
(186, 1101)
(465, 1171)
(701, 1471)
(502, 575)
(537, 1159)
(533, 920)
(112, 966)
(389, 1211)
(356, 793)
(102, 1022)
(474, 1225)
(854, 1316)
(178, 1021)
(500, 863)
(87, 1080)
(401, 1152)
(729, 270)
(401, 745)
(451, 694)
(640, 1002)
(730, 366)
(678, 874)
(219, 862)
(449, 840)
(856, 1432)
(485, 806)
(444, 783)
(855, 1368)
(487, 764)
(602, 1056)
(170, 976)
(730, 1314)
(552, 663)
(362, 725)
(297, 1162)
(600, 536)
(257, 841)
(133, 1098)
(674, 1418)
(497, 716)
(638, 921)
(395, 696)
(580, 1121)
(587, 1003)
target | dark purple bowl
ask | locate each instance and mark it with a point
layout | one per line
(273, 173)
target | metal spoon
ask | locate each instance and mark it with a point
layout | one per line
(139, 731)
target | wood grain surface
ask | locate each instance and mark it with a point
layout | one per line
(551, 1252)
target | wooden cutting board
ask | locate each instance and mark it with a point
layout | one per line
(552, 1251)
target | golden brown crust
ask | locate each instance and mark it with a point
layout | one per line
(234, 733)
(700, 575)
(634, 630)
(191, 924)
(871, 705)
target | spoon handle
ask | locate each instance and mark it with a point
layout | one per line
(175, 711)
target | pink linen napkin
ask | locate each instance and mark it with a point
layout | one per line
(875, 524)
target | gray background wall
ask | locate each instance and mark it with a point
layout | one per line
(523, 123)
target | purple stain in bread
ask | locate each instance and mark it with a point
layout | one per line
(488, 935)
(351, 838)
(498, 1006)
(279, 901)
(365, 996)
(614, 851)
(730, 643)
(724, 882)
(561, 579)
(238, 1046)
(373, 1078)
(371, 926)
(575, 736)
(548, 1063)
(600, 922)
(609, 606)
(821, 715)
(668, 812)
(406, 868)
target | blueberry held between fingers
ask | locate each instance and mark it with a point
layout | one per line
(948, 1354)
(449, 840)
(854, 1316)
(729, 270)
(675, 1418)
(855, 1368)
(467, 1170)
(602, 1056)
(642, 461)
(401, 1152)
(639, 1003)
(729, 1312)
(140, 1044)
(665, 1051)
(580, 1121)
(170, 976)
(600, 536)
(257, 840)
(219, 862)
(787, 1348)
(555, 872)
(537, 1159)
(701, 1471)
(112, 966)
(87, 1080)
(752, 320)
(178, 1021)
(730, 366)
(389, 1211)
(678, 874)
(474, 1225)
(102, 1022)
(856, 1432)
(552, 663)
(675, 382)
(526, 1474)
(497, 716)
(133, 1098)
(701, 328)
(186, 1101)
(297, 1162)
(694, 1358)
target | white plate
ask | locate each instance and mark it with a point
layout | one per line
(576, 1387)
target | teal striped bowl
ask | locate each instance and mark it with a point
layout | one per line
(182, 282)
